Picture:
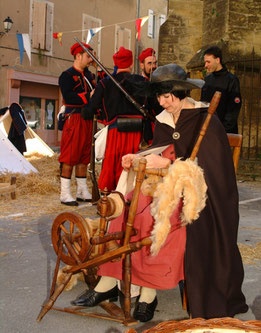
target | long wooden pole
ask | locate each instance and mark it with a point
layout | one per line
(211, 110)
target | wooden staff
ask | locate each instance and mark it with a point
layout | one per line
(211, 110)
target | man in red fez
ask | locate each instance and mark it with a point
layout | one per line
(124, 121)
(148, 62)
(77, 85)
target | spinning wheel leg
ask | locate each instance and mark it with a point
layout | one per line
(56, 268)
(70, 237)
(49, 304)
(127, 285)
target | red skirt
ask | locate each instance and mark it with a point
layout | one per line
(76, 141)
(118, 144)
(163, 271)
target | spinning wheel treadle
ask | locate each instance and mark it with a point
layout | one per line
(75, 228)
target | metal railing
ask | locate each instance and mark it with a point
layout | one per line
(249, 123)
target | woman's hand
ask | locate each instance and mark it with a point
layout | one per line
(156, 161)
(127, 160)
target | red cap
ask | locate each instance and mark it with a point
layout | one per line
(146, 53)
(77, 48)
(123, 58)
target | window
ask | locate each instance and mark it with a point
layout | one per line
(154, 23)
(49, 122)
(123, 38)
(32, 109)
(151, 24)
(42, 25)
(90, 22)
(39, 112)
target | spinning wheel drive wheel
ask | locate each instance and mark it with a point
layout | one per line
(78, 232)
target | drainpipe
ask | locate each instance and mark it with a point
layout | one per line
(136, 64)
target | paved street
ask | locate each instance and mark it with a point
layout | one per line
(27, 263)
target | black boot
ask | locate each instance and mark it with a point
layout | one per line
(145, 311)
(92, 297)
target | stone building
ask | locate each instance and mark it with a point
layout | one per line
(233, 25)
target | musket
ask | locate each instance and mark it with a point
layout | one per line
(140, 108)
(91, 168)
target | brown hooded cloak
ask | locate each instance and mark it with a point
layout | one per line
(213, 266)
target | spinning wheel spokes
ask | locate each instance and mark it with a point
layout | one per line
(76, 230)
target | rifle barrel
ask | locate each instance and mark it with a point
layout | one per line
(145, 112)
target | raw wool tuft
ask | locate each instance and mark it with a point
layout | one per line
(185, 179)
(149, 185)
(73, 280)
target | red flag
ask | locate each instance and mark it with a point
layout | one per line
(138, 25)
(58, 35)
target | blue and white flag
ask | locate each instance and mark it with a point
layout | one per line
(91, 33)
(24, 44)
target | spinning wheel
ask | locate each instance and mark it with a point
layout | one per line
(74, 228)
(73, 242)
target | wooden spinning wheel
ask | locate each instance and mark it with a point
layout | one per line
(73, 243)
(74, 228)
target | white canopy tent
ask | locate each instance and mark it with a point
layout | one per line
(11, 160)
(34, 144)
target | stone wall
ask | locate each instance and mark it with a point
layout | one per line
(234, 25)
(181, 34)
(244, 26)
(215, 21)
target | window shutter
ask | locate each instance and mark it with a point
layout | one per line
(151, 24)
(38, 28)
(48, 29)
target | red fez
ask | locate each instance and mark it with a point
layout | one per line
(77, 48)
(146, 53)
(123, 58)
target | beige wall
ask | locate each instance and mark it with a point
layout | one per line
(67, 19)
(41, 76)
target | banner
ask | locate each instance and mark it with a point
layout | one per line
(58, 35)
(27, 46)
(21, 46)
(139, 23)
(24, 44)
